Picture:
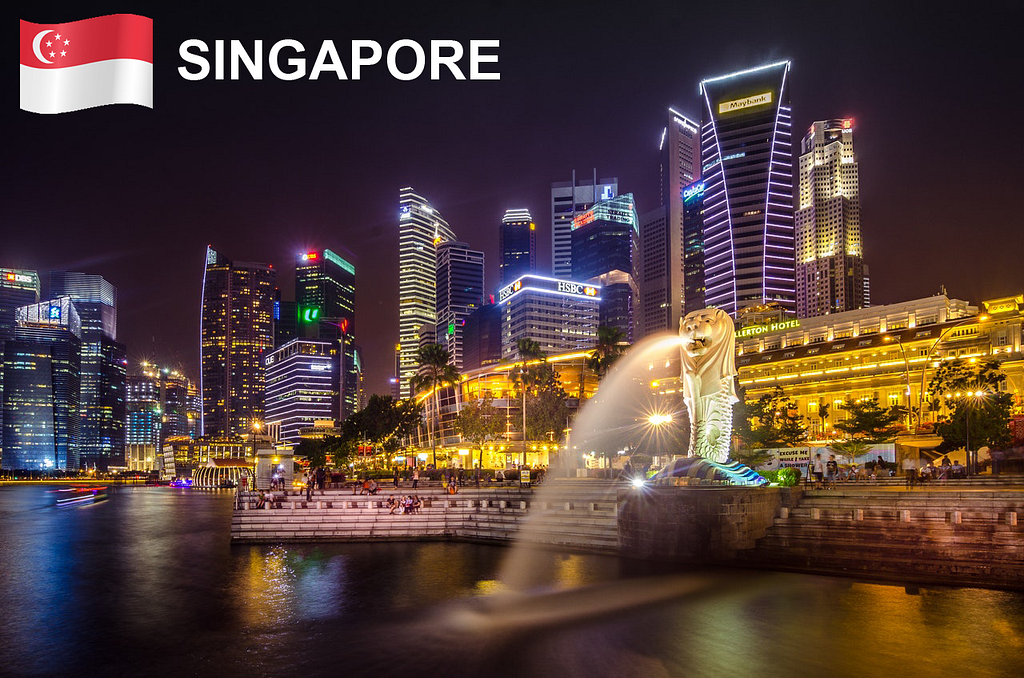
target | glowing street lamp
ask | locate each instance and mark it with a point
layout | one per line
(658, 419)
(924, 366)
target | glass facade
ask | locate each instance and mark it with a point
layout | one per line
(517, 242)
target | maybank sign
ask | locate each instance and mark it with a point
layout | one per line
(737, 104)
(541, 284)
(755, 330)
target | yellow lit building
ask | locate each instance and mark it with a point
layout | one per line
(885, 352)
(497, 383)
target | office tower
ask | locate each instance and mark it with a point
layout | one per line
(303, 385)
(568, 199)
(161, 404)
(41, 366)
(747, 170)
(482, 337)
(420, 229)
(659, 268)
(18, 287)
(830, 273)
(517, 240)
(325, 297)
(460, 291)
(693, 247)
(103, 368)
(560, 315)
(602, 241)
(237, 328)
(286, 320)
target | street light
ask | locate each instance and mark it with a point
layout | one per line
(927, 357)
(906, 370)
(972, 464)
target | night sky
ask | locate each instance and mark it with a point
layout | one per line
(264, 170)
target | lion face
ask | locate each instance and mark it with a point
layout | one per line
(701, 331)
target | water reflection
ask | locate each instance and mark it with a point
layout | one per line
(147, 584)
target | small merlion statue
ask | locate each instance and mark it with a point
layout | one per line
(709, 367)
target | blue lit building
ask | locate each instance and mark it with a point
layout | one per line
(303, 380)
(459, 292)
(603, 238)
(693, 247)
(104, 367)
(41, 412)
(517, 242)
(747, 169)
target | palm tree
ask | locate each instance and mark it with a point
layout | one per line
(528, 349)
(435, 372)
(610, 346)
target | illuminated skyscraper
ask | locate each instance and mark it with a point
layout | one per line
(41, 366)
(18, 288)
(693, 247)
(103, 369)
(160, 406)
(517, 240)
(460, 291)
(303, 385)
(420, 229)
(568, 199)
(658, 267)
(602, 241)
(831, 276)
(560, 315)
(237, 327)
(325, 297)
(747, 170)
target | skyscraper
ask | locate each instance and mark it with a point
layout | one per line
(517, 240)
(420, 229)
(303, 384)
(568, 199)
(693, 247)
(560, 315)
(747, 170)
(602, 243)
(41, 366)
(831, 276)
(325, 287)
(18, 287)
(460, 291)
(659, 270)
(237, 327)
(104, 367)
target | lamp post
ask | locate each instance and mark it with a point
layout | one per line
(972, 463)
(927, 357)
(906, 371)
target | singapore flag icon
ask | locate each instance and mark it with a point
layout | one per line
(87, 63)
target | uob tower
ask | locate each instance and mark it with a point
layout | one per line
(747, 169)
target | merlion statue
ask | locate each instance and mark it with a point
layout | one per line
(709, 367)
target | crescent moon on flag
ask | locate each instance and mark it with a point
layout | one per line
(35, 45)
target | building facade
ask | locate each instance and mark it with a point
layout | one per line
(831, 276)
(41, 375)
(103, 370)
(420, 229)
(602, 252)
(303, 380)
(517, 242)
(325, 287)
(237, 328)
(561, 315)
(568, 199)
(693, 247)
(460, 291)
(747, 170)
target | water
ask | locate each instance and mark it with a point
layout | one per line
(146, 584)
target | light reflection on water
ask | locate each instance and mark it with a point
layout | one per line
(147, 584)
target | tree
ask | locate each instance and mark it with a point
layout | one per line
(610, 347)
(852, 448)
(384, 422)
(435, 372)
(479, 421)
(869, 422)
(312, 449)
(770, 421)
(823, 408)
(973, 391)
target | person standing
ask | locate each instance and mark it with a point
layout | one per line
(415, 477)
(831, 469)
(819, 472)
(396, 477)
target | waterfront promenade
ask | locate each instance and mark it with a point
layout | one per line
(964, 533)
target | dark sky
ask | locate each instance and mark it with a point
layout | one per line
(263, 170)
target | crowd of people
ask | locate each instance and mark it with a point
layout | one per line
(407, 504)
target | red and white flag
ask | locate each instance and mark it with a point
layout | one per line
(82, 64)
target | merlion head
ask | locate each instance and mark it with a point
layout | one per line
(708, 346)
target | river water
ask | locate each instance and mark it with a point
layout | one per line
(146, 584)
